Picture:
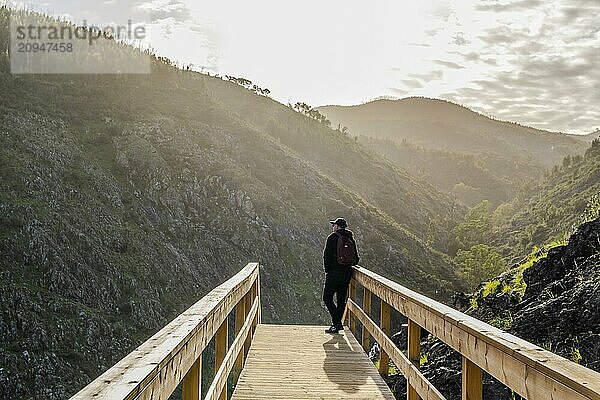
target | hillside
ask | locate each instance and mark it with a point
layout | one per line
(503, 152)
(124, 199)
(460, 174)
(551, 209)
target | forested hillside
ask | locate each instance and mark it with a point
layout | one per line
(551, 209)
(481, 158)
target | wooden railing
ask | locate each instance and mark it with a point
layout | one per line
(174, 354)
(528, 370)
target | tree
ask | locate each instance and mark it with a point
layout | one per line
(311, 112)
(479, 263)
(475, 227)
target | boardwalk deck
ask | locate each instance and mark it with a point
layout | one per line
(304, 362)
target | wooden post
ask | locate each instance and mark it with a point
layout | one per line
(384, 322)
(254, 296)
(221, 351)
(259, 299)
(366, 342)
(472, 380)
(352, 296)
(240, 318)
(247, 307)
(414, 354)
(192, 382)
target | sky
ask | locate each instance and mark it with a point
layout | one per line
(530, 61)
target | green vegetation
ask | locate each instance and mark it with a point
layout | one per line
(503, 321)
(475, 227)
(567, 196)
(591, 212)
(512, 282)
(479, 263)
(476, 261)
(576, 356)
(491, 287)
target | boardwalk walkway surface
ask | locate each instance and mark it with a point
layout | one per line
(304, 362)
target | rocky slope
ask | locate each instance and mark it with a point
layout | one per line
(559, 310)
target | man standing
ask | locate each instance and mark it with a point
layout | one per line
(339, 255)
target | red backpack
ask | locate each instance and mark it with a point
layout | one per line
(346, 250)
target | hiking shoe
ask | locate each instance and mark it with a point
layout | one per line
(332, 329)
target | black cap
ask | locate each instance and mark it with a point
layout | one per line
(341, 222)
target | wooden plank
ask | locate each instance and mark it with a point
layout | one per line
(219, 383)
(192, 382)
(156, 367)
(385, 324)
(220, 352)
(259, 316)
(352, 296)
(303, 362)
(248, 301)
(472, 380)
(488, 347)
(412, 374)
(254, 294)
(414, 354)
(240, 319)
(366, 342)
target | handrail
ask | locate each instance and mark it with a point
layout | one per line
(529, 370)
(174, 354)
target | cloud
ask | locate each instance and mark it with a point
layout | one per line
(433, 32)
(448, 64)
(165, 9)
(459, 39)
(570, 14)
(429, 76)
(398, 91)
(497, 6)
(412, 83)
(502, 35)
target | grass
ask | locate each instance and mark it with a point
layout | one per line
(503, 322)
(575, 356)
(392, 369)
(517, 284)
(491, 287)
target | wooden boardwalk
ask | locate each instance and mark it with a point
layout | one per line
(304, 362)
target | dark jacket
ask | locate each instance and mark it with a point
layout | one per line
(330, 251)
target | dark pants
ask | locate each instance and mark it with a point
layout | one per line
(336, 282)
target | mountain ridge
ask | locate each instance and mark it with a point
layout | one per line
(500, 152)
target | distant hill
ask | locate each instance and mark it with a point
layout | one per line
(504, 154)
(591, 136)
(461, 174)
(124, 199)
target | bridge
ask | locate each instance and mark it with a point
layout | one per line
(303, 362)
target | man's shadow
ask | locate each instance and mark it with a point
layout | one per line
(335, 364)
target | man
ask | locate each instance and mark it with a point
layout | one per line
(339, 255)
